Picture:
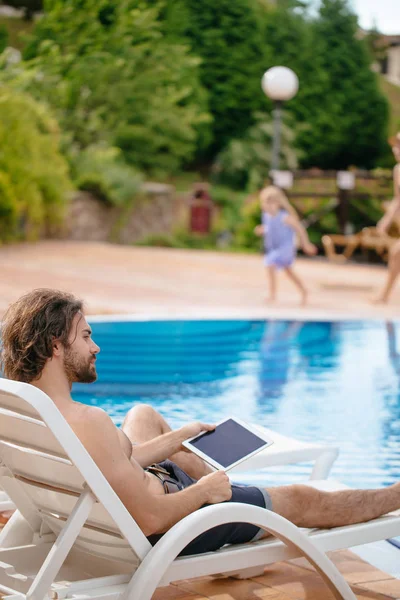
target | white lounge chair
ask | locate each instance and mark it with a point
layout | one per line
(72, 537)
(5, 503)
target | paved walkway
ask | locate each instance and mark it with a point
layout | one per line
(153, 281)
(156, 281)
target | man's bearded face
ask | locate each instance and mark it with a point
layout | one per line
(79, 369)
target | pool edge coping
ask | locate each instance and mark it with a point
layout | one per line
(234, 314)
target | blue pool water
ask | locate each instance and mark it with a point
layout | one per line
(336, 382)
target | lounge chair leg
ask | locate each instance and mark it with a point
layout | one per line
(247, 573)
(16, 532)
(157, 561)
(242, 574)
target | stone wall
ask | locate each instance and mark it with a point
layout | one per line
(156, 211)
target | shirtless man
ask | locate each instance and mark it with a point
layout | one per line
(47, 342)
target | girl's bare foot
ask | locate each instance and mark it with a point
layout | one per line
(270, 299)
(304, 298)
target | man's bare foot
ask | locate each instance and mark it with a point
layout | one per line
(270, 299)
(379, 300)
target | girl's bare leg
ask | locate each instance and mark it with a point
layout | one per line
(298, 283)
(271, 276)
(393, 273)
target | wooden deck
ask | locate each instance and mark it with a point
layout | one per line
(152, 281)
(292, 580)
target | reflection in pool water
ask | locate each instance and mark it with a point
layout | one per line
(336, 382)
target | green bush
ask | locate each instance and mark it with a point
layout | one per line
(230, 203)
(245, 236)
(8, 209)
(31, 159)
(3, 37)
(102, 171)
(95, 184)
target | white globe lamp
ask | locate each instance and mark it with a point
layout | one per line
(280, 84)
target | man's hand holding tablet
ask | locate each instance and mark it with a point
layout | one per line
(225, 445)
(194, 429)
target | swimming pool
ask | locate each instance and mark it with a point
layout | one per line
(336, 382)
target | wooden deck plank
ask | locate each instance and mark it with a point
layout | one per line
(350, 565)
(232, 589)
(297, 580)
(173, 592)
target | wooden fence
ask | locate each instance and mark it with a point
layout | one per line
(316, 194)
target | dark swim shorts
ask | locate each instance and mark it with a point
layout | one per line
(230, 533)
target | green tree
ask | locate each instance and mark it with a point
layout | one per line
(34, 175)
(227, 35)
(112, 75)
(351, 128)
(245, 162)
(339, 96)
(290, 41)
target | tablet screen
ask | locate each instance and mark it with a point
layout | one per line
(228, 443)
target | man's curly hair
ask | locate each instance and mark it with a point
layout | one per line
(29, 329)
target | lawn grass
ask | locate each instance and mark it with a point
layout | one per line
(16, 28)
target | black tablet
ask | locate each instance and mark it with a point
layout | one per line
(231, 442)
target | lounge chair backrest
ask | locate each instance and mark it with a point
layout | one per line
(51, 469)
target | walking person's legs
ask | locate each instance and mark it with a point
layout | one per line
(298, 283)
(393, 273)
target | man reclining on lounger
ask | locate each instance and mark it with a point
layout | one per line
(47, 343)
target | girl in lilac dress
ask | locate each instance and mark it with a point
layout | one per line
(280, 224)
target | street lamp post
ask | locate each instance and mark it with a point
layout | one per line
(279, 84)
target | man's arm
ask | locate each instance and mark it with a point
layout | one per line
(153, 513)
(163, 446)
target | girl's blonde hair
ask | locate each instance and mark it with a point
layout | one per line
(272, 191)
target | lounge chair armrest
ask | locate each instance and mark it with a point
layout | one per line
(176, 539)
(286, 450)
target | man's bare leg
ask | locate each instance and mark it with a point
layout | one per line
(393, 273)
(142, 423)
(308, 507)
